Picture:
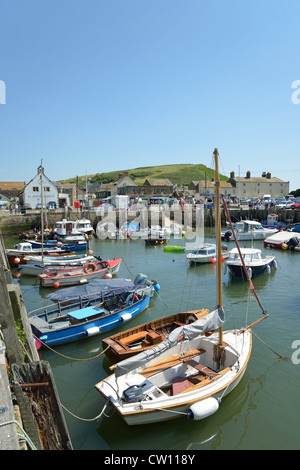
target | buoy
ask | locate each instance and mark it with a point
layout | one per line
(213, 260)
(37, 343)
(90, 252)
(108, 276)
(156, 287)
(203, 408)
(55, 284)
(284, 246)
(17, 260)
(59, 244)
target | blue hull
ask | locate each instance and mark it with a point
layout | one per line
(70, 247)
(89, 328)
(239, 273)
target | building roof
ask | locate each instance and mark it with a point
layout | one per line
(125, 181)
(9, 186)
(158, 182)
(258, 179)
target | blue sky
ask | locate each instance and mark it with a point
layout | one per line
(100, 85)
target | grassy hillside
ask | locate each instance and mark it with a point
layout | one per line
(180, 174)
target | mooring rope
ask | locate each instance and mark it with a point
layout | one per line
(68, 357)
(87, 419)
(284, 358)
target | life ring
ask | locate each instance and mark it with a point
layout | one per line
(90, 267)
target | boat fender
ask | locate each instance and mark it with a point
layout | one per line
(94, 330)
(268, 269)
(126, 317)
(249, 272)
(90, 267)
(156, 286)
(203, 409)
(275, 264)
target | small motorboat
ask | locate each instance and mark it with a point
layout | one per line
(252, 230)
(81, 274)
(60, 324)
(55, 264)
(255, 263)
(207, 253)
(17, 254)
(279, 239)
(84, 226)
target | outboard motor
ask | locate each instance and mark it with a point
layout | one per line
(227, 235)
(132, 394)
(292, 243)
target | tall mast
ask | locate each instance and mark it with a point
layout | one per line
(218, 236)
(42, 210)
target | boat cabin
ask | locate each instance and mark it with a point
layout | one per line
(247, 226)
(65, 227)
(249, 255)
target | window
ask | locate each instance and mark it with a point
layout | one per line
(35, 189)
(47, 189)
(153, 191)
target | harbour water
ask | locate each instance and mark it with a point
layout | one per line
(261, 413)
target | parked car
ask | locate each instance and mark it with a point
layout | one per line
(295, 205)
(39, 206)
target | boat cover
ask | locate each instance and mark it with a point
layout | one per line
(94, 289)
(209, 322)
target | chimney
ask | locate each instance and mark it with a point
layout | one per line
(232, 175)
(120, 175)
(248, 174)
(269, 176)
(125, 173)
(264, 174)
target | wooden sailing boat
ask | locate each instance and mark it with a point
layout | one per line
(188, 373)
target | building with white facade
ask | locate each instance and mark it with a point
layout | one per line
(32, 192)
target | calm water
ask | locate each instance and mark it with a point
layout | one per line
(261, 413)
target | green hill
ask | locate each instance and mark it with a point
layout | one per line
(179, 174)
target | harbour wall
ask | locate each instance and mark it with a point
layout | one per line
(14, 223)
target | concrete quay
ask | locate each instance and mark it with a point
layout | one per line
(14, 223)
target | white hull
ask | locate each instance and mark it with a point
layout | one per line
(38, 268)
(255, 235)
(156, 405)
(205, 259)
